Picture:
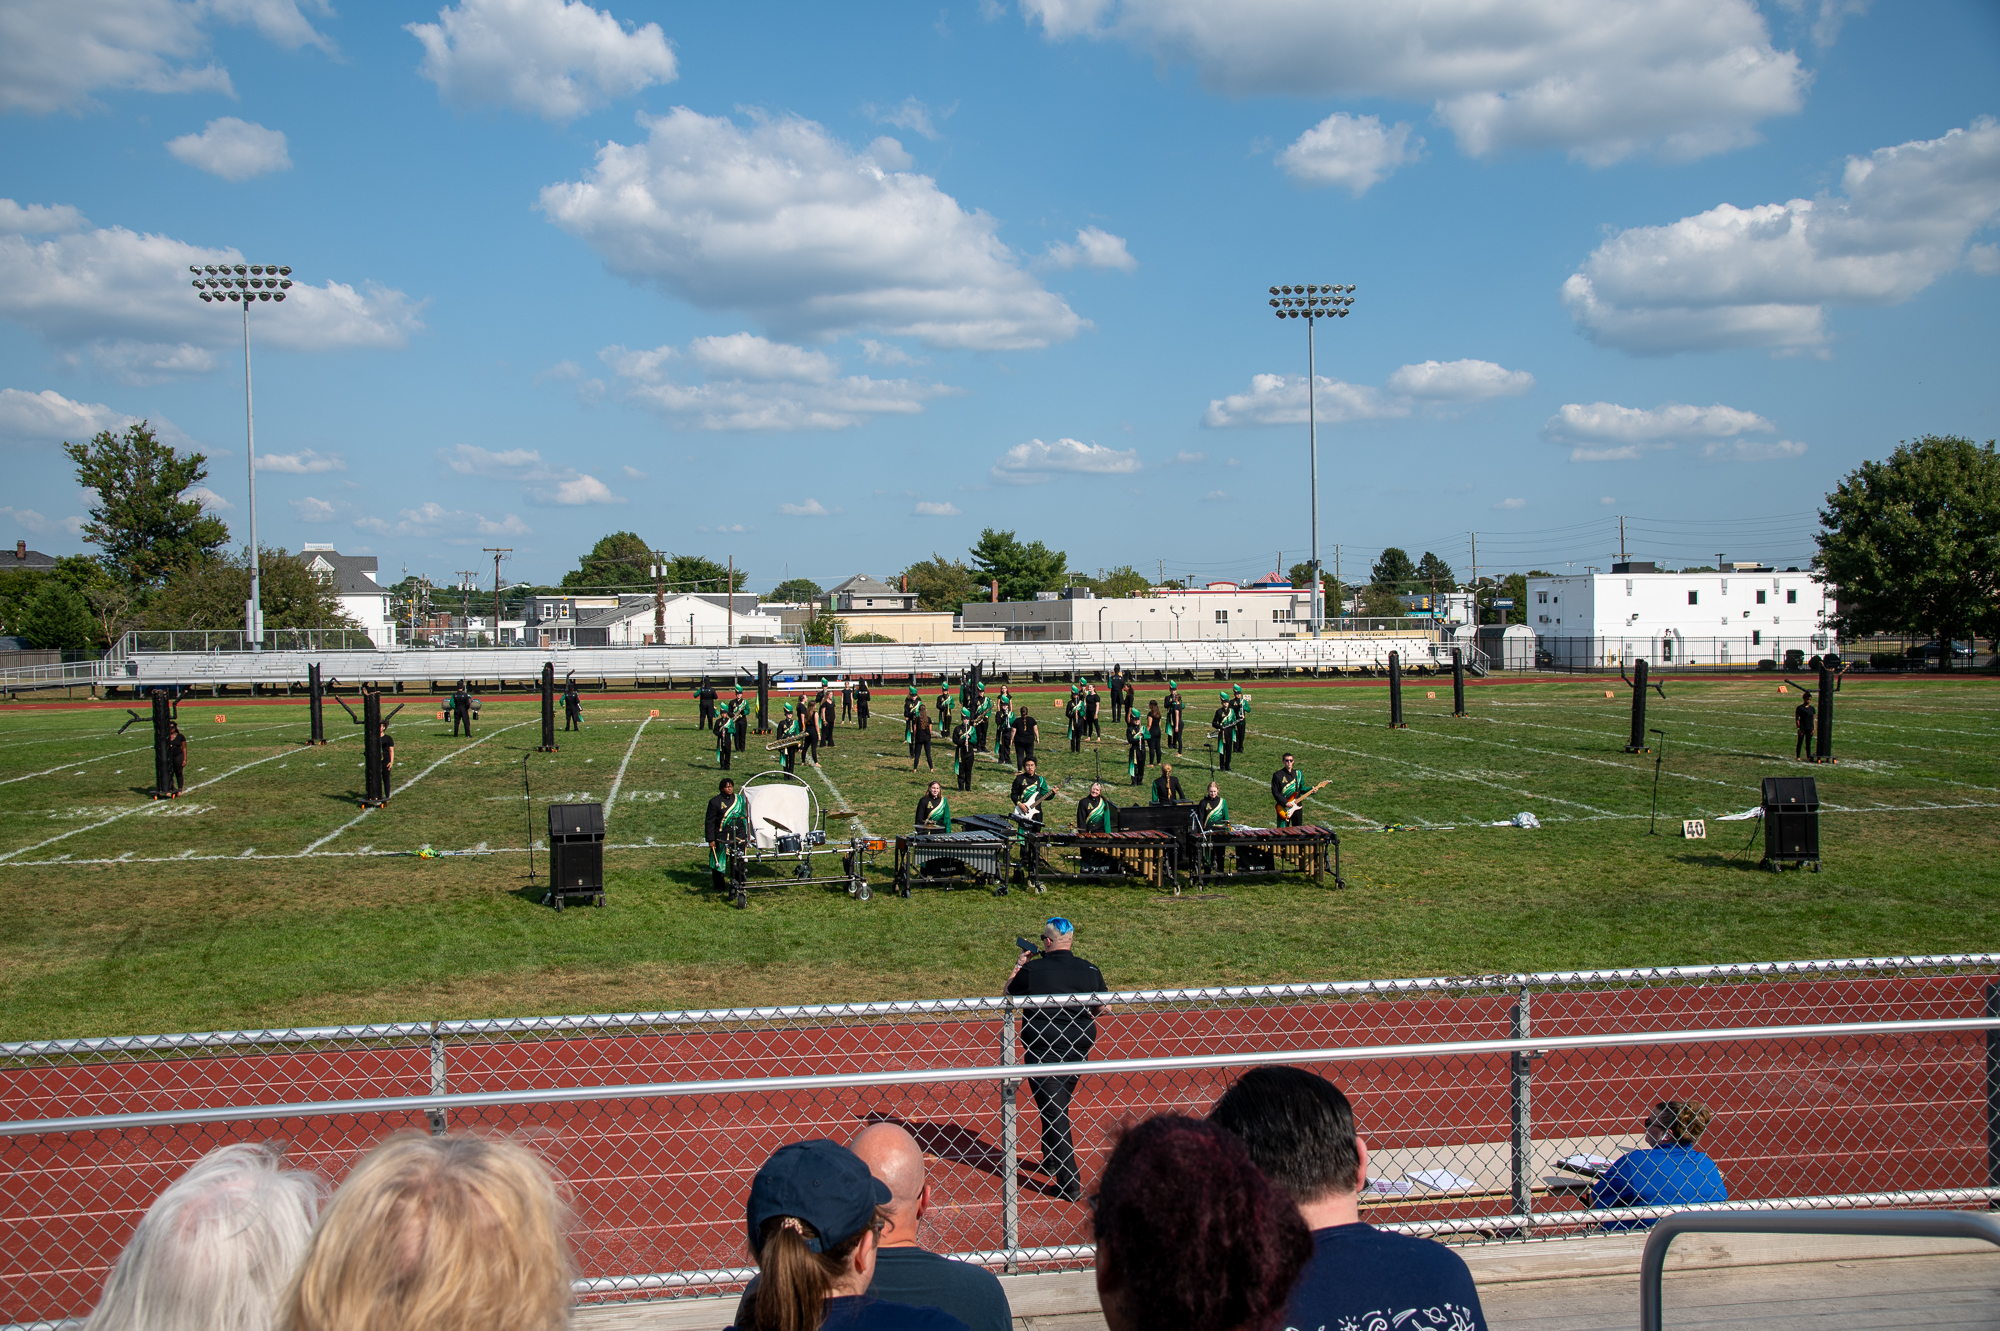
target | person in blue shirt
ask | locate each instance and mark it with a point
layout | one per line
(1299, 1130)
(1669, 1171)
(815, 1224)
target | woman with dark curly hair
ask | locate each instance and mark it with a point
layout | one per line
(1191, 1235)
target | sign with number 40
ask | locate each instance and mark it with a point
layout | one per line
(1695, 829)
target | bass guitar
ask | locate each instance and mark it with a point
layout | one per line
(1292, 806)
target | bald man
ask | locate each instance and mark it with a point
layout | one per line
(905, 1272)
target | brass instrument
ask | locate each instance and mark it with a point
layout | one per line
(791, 743)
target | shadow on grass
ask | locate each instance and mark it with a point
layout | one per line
(1743, 863)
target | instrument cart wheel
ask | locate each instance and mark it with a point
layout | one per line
(600, 899)
(867, 893)
(559, 903)
(742, 898)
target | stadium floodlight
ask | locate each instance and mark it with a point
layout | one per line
(1306, 301)
(244, 285)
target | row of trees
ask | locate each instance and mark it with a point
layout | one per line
(163, 561)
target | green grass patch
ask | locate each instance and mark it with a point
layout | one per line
(266, 897)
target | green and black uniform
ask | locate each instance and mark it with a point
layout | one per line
(1212, 815)
(933, 813)
(1176, 708)
(727, 815)
(1167, 789)
(1220, 726)
(1135, 748)
(1286, 787)
(1094, 813)
(961, 754)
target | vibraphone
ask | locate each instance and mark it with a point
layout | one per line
(1097, 855)
(1239, 851)
(951, 859)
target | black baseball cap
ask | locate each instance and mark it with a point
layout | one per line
(820, 1182)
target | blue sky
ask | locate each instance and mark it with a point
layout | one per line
(829, 288)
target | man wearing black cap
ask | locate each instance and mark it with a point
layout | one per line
(1057, 1033)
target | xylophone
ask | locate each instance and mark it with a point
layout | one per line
(948, 859)
(1144, 853)
(1238, 851)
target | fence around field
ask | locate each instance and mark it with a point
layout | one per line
(1860, 1082)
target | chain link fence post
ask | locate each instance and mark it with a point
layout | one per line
(1521, 1139)
(440, 1084)
(1992, 1009)
(1010, 1145)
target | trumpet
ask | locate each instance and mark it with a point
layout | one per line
(791, 743)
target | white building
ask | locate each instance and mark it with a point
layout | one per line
(688, 618)
(1270, 609)
(1746, 612)
(365, 601)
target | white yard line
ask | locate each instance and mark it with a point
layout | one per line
(121, 753)
(491, 734)
(150, 806)
(189, 857)
(619, 780)
(860, 826)
(1439, 773)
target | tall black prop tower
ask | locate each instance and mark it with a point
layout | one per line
(1457, 682)
(1824, 740)
(763, 698)
(1636, 742)
(1396, 692)
(316, 699)
(371, 747)
(548, 707)
(163, 763)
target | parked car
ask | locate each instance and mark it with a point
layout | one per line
(1930, 652)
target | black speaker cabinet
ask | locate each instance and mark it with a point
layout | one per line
(576, 853)
(1791, 821)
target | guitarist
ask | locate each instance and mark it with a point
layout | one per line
(1028, 793)
(1288, 792)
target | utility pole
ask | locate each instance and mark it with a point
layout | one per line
(465, 577)
(729, 599)
(497, 552)
(1163, 572)
(1475, 578)
(1622, 556)
(660, 599)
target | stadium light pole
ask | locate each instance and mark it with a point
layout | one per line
(245, 285)
(1312, 302)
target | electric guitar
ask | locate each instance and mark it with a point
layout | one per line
(1292, 806)
(1025, 810)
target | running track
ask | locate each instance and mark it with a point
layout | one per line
(658, 1184)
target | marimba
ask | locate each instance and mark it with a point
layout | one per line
(1093, 855)
(951, 859)
(1238, 851)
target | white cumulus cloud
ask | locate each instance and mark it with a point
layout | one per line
(753, 383)
(555, 59)
(1034, 462)
(932, 508)
(783, 222)
(1753, 450)
(310, 509)
(209, 500)
(126, 300)
(547, 484)
(1511, 504)
(812, 508)
(910, 114)
(28, 520)
(1601, 80)
(1094, 248)
(1280, 399)
(1765, 276)
(1459, 381)
(454, 526)
(233, 149)
(305, 462)
(49, 417)
(1607, 432)
(1355, 152)
(35, 218)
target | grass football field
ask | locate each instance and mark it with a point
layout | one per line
(266, 896)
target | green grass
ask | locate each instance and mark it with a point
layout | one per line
(203, 913)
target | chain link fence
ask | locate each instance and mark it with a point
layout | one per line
(1873, 1081)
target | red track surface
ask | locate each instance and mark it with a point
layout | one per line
(658, 1184)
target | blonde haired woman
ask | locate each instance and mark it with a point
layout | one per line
(1669, 1171)
(438, 1234)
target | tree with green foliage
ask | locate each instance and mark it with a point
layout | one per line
(693, 573)
(1120, 582)
(1434, 574)
(819, 630)
(1022, 570)
(1393, 570)
(1913, 544)
(1380, 600)
(211, 593)
(618, 560)
(942, 584)
(794, 591)
(57, 618)
(143, 522)
(1333, 594)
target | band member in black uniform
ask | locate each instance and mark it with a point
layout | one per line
(1131, 692)
(809, 727)
(177, 756)
(1220, 726)
(1211, 814)
(1027, 733)
(715, 822)
(920, 741)
(1167, 786)
(1156, 729)
(1094, 813)
(1057, 1033)
(1241, 702)
(787, 729)
(1090, 702)
(861, 696)
(1135, 748)
(388, 751)
(1176, 708)
(461, 710)
(961, 753)
(847, 700)
(1117, 685)
(823, 705)
(742, 719)
(572, 708)
(705, 699)
(913, 707)
(1003, 728)
(1030, 794)
(933, 810)
(982, 717)
(1073, 711)
(721, 725)
(1805, 718)
(1287, 784)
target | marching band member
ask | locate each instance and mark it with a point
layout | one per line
(961, 753)
(1167, 786)
(934, 810)
(1221, 724)
(1176, 707)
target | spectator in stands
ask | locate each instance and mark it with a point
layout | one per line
(1299, 1129)
(1669, 1171)
(1191, 1235)
(816, 1217)
(904, 1271)
(216, 1250)
(438, 1234)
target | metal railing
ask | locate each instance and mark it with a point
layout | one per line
(1610, 654)
(1840, 1079)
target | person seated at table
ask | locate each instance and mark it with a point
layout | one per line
(1668, 1171)
(934, 810)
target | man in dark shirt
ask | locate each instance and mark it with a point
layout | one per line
(461, 710)
(388, 752)
(1027, 733)
(705, 697)
(177, 757)
(1805, 717)
(1299, 1129)
(1057, 1033)
(861, 697)
(572, 702)
(1287, 784)
(722, 813)
(962, 750)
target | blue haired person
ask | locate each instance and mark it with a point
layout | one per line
(1057, 1033)
(1669, 1171)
